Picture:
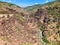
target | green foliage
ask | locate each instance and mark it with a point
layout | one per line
(45, 40)
(42, 28)
(3, 11)
(58, 42)
(20, 17)
(31, 8)
(27, 44)
(44, 36)
(11, 4)
(58, 15)
(4, 38)
(49, 3)
(58, 26)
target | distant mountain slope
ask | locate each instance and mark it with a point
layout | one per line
(31, 8)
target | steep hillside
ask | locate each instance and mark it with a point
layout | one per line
(48, 20)
(11, 24)
(14, 26)
(10, 8)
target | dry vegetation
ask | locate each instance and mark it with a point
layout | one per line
(23, 28)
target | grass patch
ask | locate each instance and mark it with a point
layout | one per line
(27, 44)
(42, 28)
